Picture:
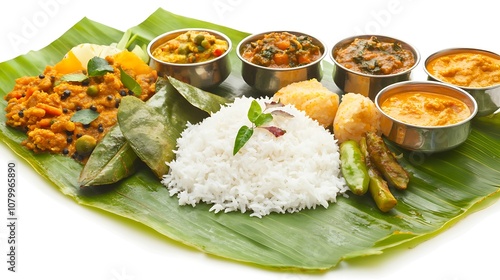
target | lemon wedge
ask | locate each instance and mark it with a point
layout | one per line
(78, 57)
(85, 52)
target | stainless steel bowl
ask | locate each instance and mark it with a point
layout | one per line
(487, 98)
(269, 80)
(366, 84)
(203, 75)
(425, 138)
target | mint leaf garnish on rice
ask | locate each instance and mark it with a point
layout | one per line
(258, 118)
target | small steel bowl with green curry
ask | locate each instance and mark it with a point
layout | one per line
(368, 63)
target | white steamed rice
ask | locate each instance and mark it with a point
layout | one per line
(296, 171)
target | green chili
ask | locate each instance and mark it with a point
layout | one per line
(353, 167)
(378, 187)
(386, 162)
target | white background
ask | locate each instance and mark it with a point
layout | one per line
(60, 239)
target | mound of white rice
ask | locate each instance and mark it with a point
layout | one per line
(298, 170)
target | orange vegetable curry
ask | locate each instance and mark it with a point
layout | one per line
(281, 50)
(44, 106)
(425, 108)
(371, 56)
(467, 69)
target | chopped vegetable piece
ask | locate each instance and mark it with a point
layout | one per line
(85, 145)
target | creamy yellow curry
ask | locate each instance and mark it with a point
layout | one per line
(425, 108)
(191, 47)
(467, 69)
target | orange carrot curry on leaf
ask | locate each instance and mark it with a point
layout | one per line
(70, 106)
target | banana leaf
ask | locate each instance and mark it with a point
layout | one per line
(444, 187)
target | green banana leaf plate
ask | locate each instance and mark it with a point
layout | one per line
(444, 187)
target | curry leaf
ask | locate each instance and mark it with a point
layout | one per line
(263, 119)
(258, 118)
(85, 116)
(254, 112)
(130, 83)
(98, 66)
(244, 134)
(74, 77)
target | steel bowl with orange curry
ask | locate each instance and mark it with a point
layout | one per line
(471, 69)
(425, 108)
(43, 105)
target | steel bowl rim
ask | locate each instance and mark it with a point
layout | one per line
(349, 40)
(438, 84)
(458, 50)
(255, 36)
(187, 65)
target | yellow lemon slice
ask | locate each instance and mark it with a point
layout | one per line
(78, 57)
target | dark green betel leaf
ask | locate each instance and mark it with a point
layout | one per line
(98, 67)
(112, 160)
(149, 134)
(152, 128)
(201, 99)
(85, 116)
(443, 188)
